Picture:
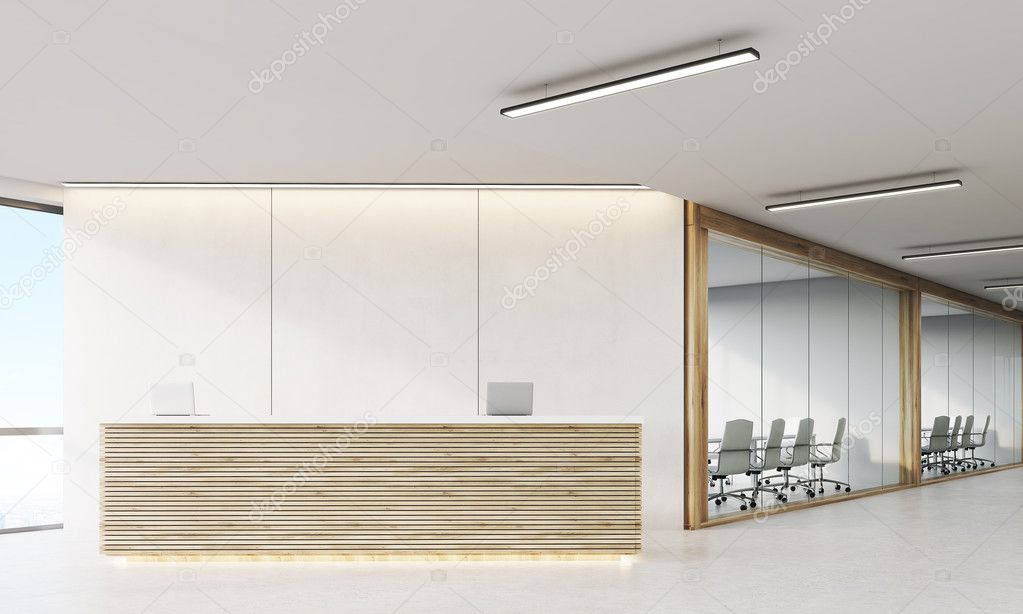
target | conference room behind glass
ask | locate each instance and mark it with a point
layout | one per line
(803, 391)
(970, 390)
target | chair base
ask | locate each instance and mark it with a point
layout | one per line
(745, 502)
(816, 481)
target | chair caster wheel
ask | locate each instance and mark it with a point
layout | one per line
(742, 507)
(717, 501)
(792, 488)
(848, 489)
(992, 464)
(752, 504)
(838, 487)
(820, 491)
(780, 497)
(811, 494)
(767, 481)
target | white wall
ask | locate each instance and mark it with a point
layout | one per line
(373, 288)
(600, 333)
(375, 300)
(160, 286)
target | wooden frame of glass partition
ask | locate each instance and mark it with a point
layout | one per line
(700, 221)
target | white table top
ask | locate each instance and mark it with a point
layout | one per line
(469, 419)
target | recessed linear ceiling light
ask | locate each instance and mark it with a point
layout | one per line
(717, 62)
(365, 186)
(965, 252)
(1005, 286)
(848, 198)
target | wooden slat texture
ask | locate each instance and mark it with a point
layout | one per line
(381, 489)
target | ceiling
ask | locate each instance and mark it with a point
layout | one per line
(404, 91)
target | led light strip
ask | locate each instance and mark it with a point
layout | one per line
(1005, 286)
(848, 198)
(965, 252)
(365, 186)
(656, 77)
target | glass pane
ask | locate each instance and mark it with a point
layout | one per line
(960, 365)
(866, 376)
(983, 386)
(1006, 433)
(31, 318)
(734, 344)
(829, 369)
(934, 383)
(31, 376)
(786, 358)
(1017, 391)
(892, 406)
(31, 495)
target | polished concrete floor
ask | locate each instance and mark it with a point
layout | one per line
(952, 547)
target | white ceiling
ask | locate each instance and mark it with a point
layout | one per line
(142, 90)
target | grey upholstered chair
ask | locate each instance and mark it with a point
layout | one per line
(958, 443)
(825, 454)
(770, 461)
(937, 444)
(733, 458)
(971, 443)
(796, 455)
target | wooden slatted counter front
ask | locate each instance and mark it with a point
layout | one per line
(482, 487)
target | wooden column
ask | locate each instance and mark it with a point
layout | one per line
(695, 475)
(909, 357)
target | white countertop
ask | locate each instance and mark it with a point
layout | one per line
(211, 419)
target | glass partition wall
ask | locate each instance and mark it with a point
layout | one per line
(810, 359)
(970, 368)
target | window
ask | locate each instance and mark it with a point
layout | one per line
(31, 375)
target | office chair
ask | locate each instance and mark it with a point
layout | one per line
(936, 446)
(970, 444)
(954, 445)
(769, 462)
(733, 459)
(798, 456)
(960, 444)
(818, 461)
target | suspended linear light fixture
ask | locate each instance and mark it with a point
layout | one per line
(848, 198)
(1018, 284)
(656, 77)
(965, 252)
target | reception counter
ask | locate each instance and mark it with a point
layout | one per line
(479, 486)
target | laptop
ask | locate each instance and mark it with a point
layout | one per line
(509, 398)
(173, 399)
